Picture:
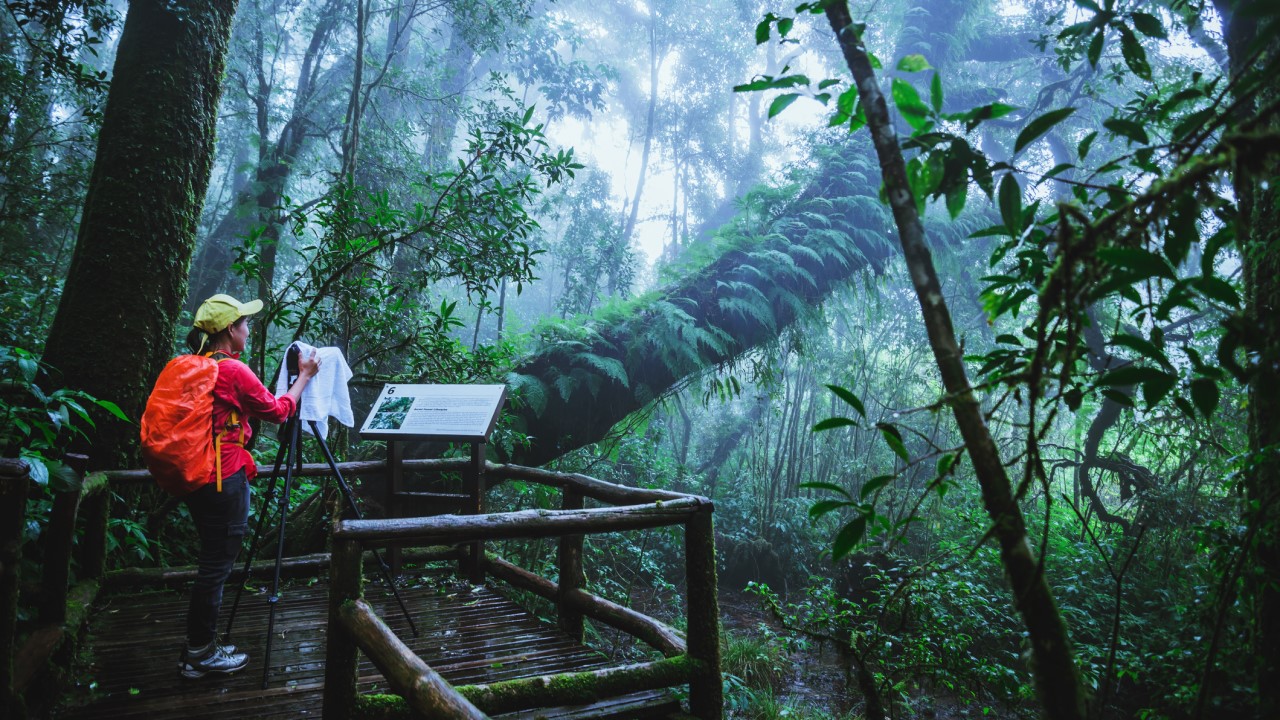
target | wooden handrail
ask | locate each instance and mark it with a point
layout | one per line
(427, 693)
(658, 635)
(495, 473)
(448, 529)
(578, 687)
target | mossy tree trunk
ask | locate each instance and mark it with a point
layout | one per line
(114, 328)
(1258, 236)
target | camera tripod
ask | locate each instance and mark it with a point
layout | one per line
(290, 458)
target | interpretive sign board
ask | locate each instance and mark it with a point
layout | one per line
(455, 413)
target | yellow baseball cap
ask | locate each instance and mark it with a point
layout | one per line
(219, 311)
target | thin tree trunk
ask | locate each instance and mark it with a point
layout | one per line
(1053, 667)
(655, 64)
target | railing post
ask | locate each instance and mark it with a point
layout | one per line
(475, 506)
(14, 477)
(571, 575)
(342, 658)
(395, 485)
(706, 694)
(59, 538)
(95, 509)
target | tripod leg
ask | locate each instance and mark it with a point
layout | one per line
(347, 495)
(295, 430)
(253, 544)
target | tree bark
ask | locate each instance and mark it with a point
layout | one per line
(1053, 667)
(115, 324)
(1258, 237)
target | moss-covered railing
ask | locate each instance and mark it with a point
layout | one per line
(695, 660)
(62, 606)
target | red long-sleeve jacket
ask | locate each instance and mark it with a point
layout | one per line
(240, 390)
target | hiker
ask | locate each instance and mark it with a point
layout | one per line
(221, 510)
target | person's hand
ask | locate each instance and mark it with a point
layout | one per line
(308, 365)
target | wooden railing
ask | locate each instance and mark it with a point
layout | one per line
(62, 606)
(695, 660)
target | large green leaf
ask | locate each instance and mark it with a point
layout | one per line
(1040, 126)
(848, 538)
(1011, 205)
(909, 104)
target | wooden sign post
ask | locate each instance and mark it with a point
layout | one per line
(439, 413)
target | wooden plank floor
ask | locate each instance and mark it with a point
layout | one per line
(467, 634)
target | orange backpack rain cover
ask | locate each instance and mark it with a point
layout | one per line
(177, 425)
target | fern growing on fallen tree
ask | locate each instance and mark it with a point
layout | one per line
(578, 386)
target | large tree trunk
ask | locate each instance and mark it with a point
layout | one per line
(1258, 235)
(115, 325)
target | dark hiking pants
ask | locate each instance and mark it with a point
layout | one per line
(222, 518)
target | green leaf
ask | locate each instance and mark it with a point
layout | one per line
(1149, 25)
(913, 63)
(849, 398)
(822, 507)
(1184, 406)
(1155, 389)
(894, 440)
(848, 538)
(762, 29)
(826, 486)
(28, 367)
(834, 422)
(62, 478)
(909, 104)
(1204, 393)
(957, 196)
(1128, 129)
(873, 485)
(1011, 205)
(1134, 56)
(1139, 261)
(1215, 288)
(947, 463)
(112, 408)
(37, 469)
(784, 25)
(782, 102)
(1144, 348)
(1120, 398)
(935, 92)
(1083, 149)
(1040, 126)
(1095, 48)
(1130, 375)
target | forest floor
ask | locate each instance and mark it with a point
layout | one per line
(816, 678)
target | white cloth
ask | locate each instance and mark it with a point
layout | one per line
(326, 395)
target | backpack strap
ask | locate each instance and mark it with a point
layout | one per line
(233, 423)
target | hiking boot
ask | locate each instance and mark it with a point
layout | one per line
(213, 658)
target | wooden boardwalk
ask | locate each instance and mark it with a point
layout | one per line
(468, 635)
